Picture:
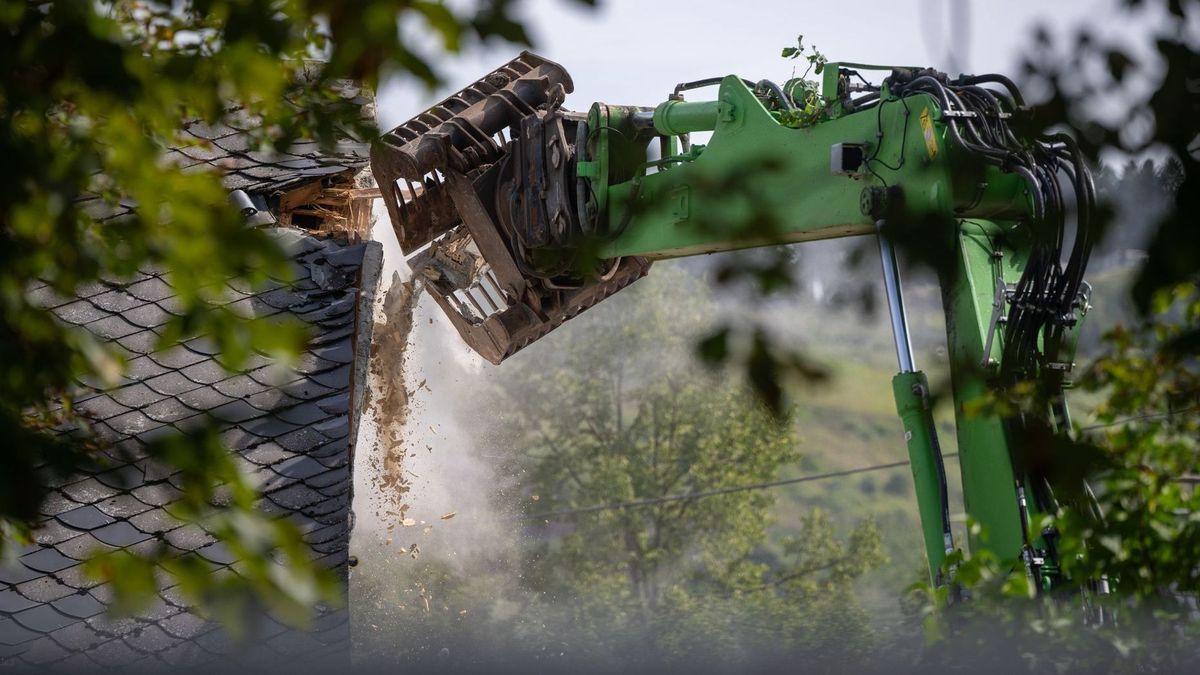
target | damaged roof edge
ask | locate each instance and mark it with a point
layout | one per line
(368, 285)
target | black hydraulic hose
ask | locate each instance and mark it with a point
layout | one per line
(1082, 244)
(976, 121)
(1010, 138)
(1050, 284)
(1024, 317)
(777, 91)
(920, 83)
(997, 155)
(992, 121)
(1085, 189)
(984, 94)
(956, 104)
(1009, 102)
(784, 100)
(940, 463)
(862, 102)
(982, 145)
(1035, 190)
(998, 79)
(1021, 321)
(928, 84)
(635, 189)
(706, 82)
(1080, 251)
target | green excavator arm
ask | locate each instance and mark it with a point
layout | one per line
(520, 214)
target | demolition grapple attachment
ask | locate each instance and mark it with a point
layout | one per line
(484, 194)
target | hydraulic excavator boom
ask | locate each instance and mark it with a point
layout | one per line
(520, 214)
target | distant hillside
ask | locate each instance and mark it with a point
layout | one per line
(851, 422)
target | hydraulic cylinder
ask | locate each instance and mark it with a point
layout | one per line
(912, 404)
(672, 118)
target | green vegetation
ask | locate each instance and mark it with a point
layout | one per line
(92, 95)
(612, 410)
(642, 423)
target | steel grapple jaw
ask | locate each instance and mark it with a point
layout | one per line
(482, 191)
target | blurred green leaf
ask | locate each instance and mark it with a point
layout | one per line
(92, 97)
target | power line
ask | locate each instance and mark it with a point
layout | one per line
(650, 501)
(1137, 418)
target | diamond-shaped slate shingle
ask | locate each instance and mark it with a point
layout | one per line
(122, 506)
(85, 518)
(287, 425)
(43, 618)
(79, 605)
(79, 312)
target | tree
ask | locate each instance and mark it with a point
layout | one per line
(613, 411)
(91, 96)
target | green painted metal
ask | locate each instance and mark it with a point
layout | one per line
(987, 254)
(759, 182)
(701, 205)
(911, 391)
(617, 149)
(672, 118)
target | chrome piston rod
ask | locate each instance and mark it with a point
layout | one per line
(904, 354)
(895, 301)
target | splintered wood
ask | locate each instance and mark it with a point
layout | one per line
(332, 207)
(389, 359)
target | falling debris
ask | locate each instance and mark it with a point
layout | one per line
(448, 516)
(390, 399)
(408, 522)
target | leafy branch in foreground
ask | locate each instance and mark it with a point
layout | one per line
(273, 569)
(1139, 537)
(92, 97)
(1141, 534)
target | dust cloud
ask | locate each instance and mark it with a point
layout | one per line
(429, 504)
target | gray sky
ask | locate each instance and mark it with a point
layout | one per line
(634, 51)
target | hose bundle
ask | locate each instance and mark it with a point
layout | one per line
(1045, 297)
(1043, 305)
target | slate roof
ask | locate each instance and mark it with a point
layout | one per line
(227, 148)
(293, 428)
